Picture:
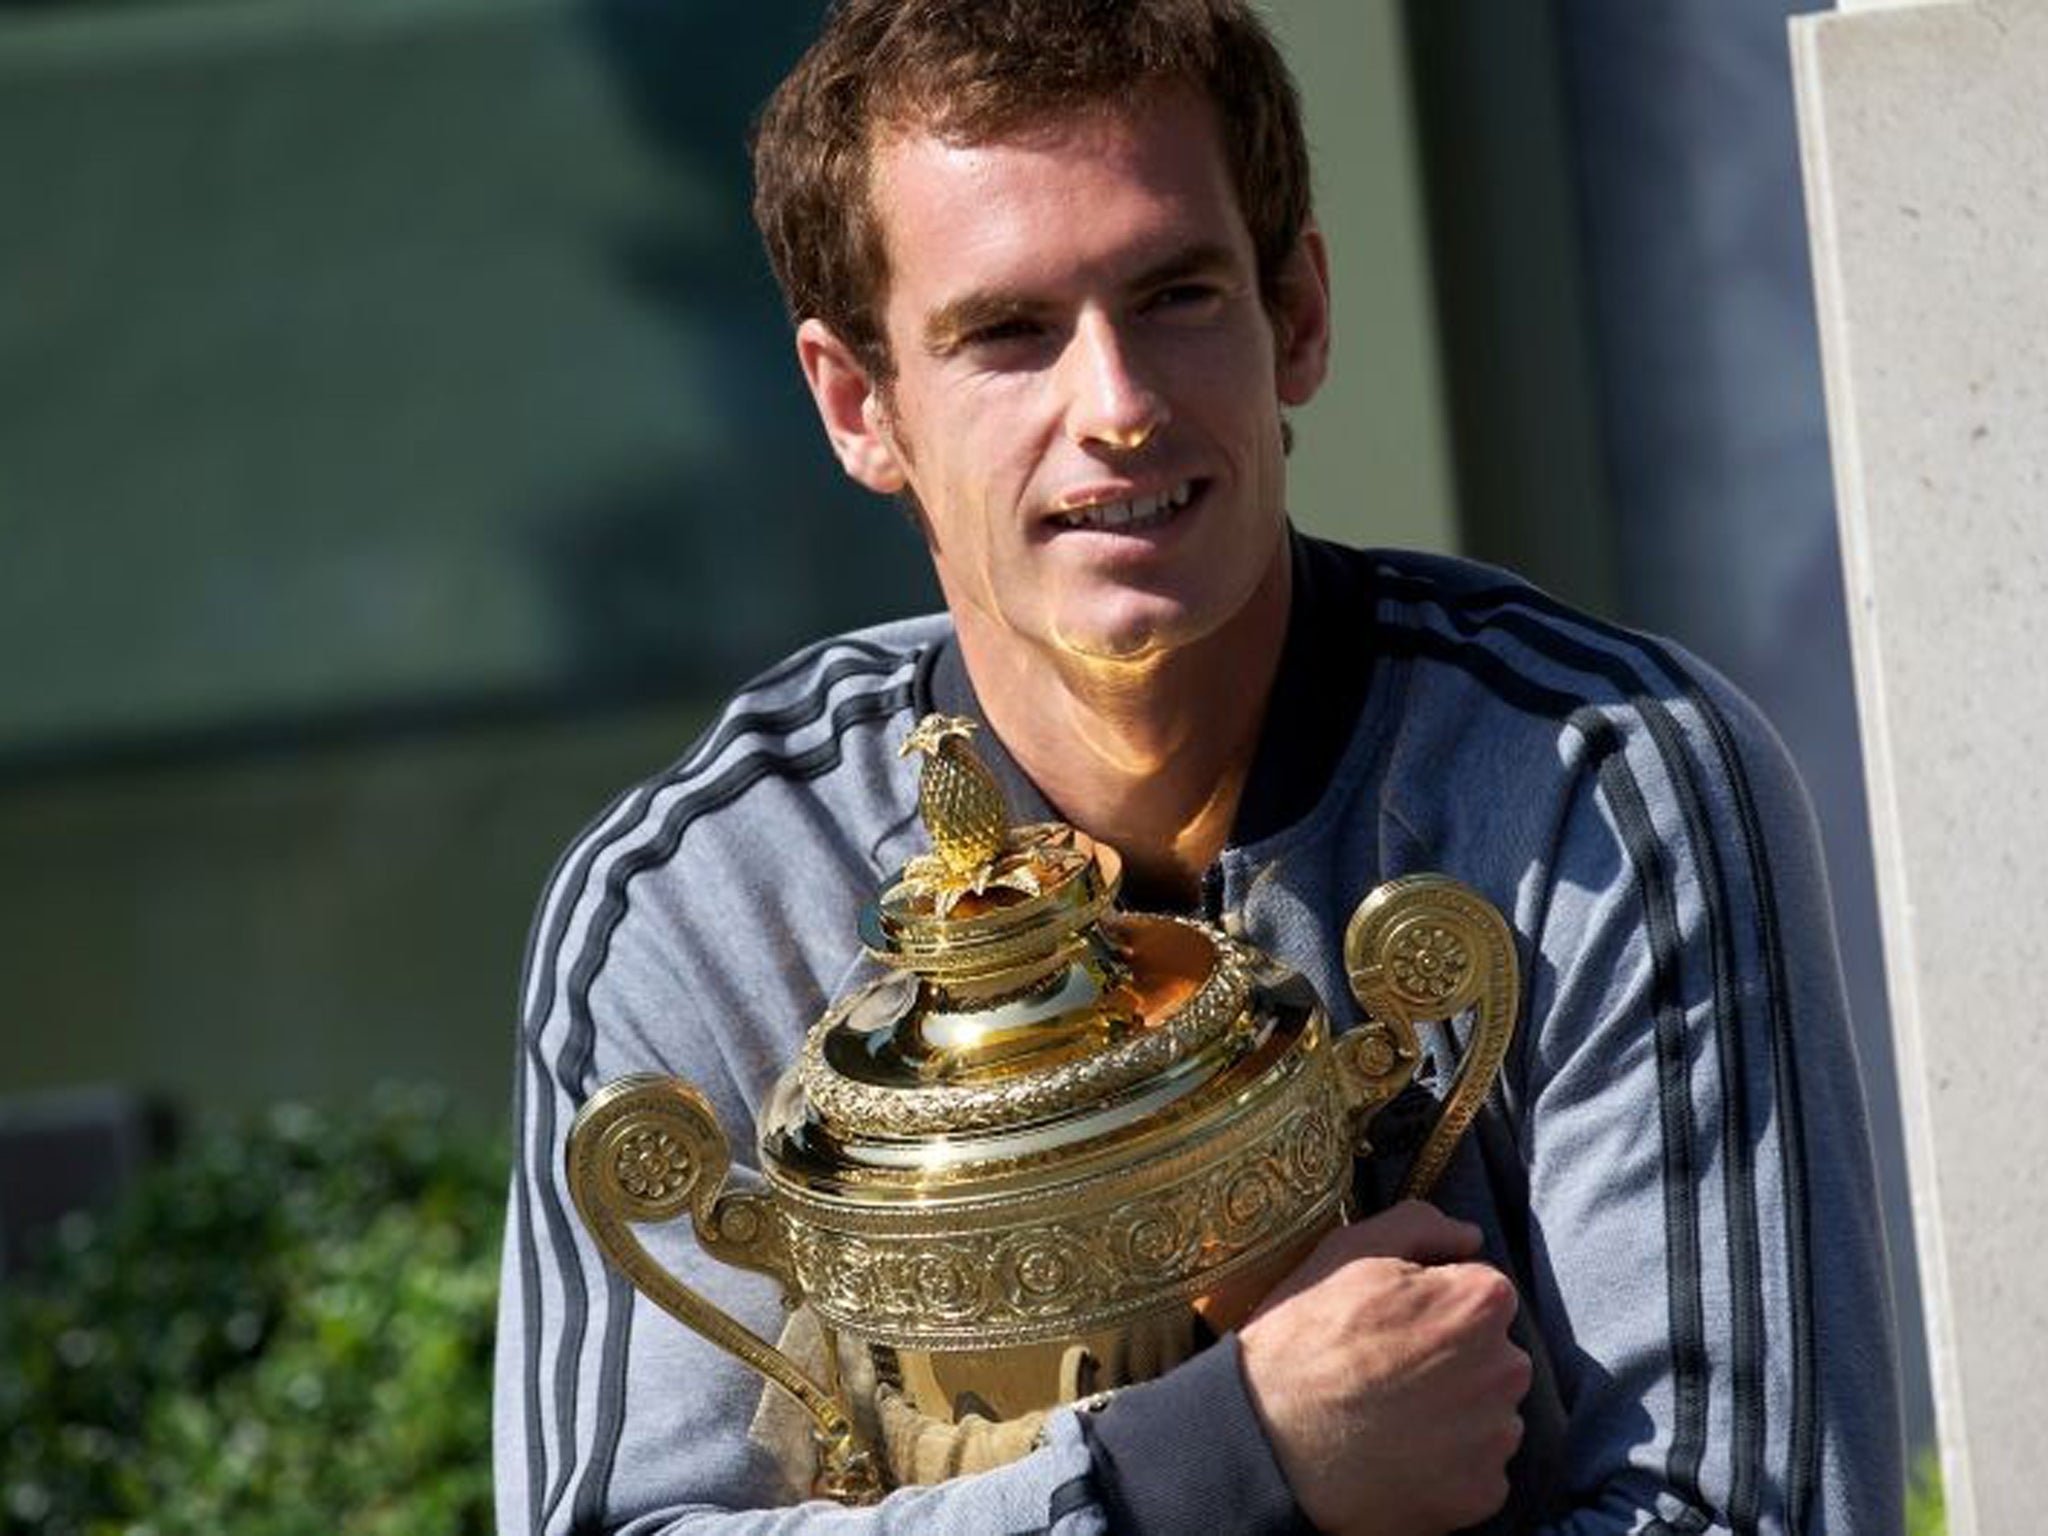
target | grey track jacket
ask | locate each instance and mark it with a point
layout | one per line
(1675, 1169)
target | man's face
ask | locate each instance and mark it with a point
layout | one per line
(1088, 387)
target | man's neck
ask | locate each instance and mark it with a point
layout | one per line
(1149, 756)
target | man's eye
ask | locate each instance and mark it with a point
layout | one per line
(999, 331)
(1183, 296)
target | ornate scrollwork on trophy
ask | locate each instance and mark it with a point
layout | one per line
(1072, 1270)
(1420, 949)
(651, 1149)
(645, 1149)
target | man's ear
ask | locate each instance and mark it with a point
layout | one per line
(1301, 319)
(851, 406)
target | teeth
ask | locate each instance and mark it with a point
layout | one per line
(1141, 511)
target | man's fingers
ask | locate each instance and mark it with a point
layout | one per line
(1413, 1230)
(1409, 1233)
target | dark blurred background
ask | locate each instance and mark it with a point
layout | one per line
(401, 451)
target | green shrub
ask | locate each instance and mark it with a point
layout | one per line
(1926, 1512)
(285, 1329)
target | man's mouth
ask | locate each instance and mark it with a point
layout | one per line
(1132, 515)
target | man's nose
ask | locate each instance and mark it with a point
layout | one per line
(1110, 403)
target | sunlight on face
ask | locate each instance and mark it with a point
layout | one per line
(1087, 399)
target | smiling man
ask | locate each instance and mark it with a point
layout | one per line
(1056, 281)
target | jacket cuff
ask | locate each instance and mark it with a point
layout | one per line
(1186, 1452)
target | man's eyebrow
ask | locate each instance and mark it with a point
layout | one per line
(952, 323)
(1189, 261)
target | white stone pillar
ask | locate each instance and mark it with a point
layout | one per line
(1925, 133)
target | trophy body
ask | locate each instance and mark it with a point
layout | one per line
(1054, 1147)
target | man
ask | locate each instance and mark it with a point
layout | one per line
(1056, 280)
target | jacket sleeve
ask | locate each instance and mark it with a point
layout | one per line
(1706, 1257)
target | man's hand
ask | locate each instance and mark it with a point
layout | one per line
(1385, 1378)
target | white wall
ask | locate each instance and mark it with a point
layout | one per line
(1925, 138)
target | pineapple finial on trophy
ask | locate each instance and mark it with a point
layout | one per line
(965, 815)
(958, 798)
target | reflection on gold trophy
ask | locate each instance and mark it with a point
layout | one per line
(1052, 1147)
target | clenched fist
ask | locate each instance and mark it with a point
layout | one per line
(1384, 1375)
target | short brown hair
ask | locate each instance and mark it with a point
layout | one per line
(973, 71)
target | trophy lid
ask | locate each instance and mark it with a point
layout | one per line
(1022, 1016)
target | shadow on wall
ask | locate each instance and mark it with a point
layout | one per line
(401, 448)
(765, 529)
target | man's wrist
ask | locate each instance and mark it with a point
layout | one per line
(1187, 1451)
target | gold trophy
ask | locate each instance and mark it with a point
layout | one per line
(1051, 1145)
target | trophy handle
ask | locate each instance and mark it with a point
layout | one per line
(646, 1148)
(1422, 948)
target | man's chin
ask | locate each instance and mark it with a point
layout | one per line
(1138, 640)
